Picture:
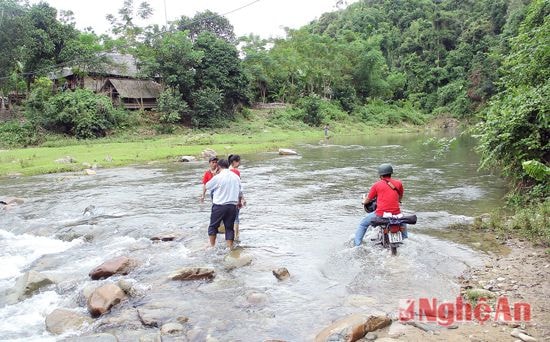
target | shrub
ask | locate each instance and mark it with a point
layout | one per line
(311, 107)
(16, 134)
(35, 106)
(381, 113)
(207, 108)
(81, 113)
(172, 106)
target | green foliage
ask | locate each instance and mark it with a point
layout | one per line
(220, 68)
(207, 109)
(81, 113)
(440, 146)
(16, 134)
(533, 222)
(35, 106)
(380, 113)
(515, 129)
(536, 169)
(171, 106)
(311, 107)
(207, 21)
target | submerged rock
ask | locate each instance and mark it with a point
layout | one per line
(352, 328)
(62, 320)
(186, 159)
(281, 273)
(193, 273)
(93, 338)
(29, 283)
(287, 152)
(236, 259)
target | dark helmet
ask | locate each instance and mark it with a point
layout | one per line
(385, 169)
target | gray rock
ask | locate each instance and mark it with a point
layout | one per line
(287, 152)
(370, 336)
(65, 160)
(522, 335)
(171, 328)
(237, 259)
(29, 283)
(93, 338)
(62, 320)
(187, 159)
(152, 317)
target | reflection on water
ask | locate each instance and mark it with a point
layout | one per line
(302, 213)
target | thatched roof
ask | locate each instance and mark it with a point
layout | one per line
(135, 89)
(106, 64)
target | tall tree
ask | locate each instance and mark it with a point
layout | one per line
(207, 21)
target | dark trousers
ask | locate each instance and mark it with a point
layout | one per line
(226, 213)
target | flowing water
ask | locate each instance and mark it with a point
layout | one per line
(302, 213)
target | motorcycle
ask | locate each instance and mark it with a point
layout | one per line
(390, 230)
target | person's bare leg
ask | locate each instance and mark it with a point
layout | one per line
(236, 229)
(212, 239)
(229, 244)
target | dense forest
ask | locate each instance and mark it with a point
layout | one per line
(383, 62)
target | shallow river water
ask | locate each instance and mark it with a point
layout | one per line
(302, 213)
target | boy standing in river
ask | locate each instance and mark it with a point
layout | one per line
(208, 174)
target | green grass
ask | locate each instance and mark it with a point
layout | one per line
(138, 145)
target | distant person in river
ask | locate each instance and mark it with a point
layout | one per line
(208, 174)
(326, 131)
(388, 193)
(234, 163)
(227, 190)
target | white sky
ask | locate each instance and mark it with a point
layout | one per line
(265, 18)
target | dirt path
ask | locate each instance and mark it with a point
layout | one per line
(523, 275)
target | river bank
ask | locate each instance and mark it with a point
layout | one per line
(142, 146)
(520, 276)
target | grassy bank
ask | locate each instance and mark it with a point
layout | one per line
(106, 153)
(142, 145)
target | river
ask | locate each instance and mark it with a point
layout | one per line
(302, 213)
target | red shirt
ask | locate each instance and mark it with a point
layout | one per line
(387, 199)
(207, 176)
(236, 171)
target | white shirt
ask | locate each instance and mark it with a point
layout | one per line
(226, 187)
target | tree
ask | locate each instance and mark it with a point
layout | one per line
(516, 127)
(207, 21)
(220, 68)
(124, 25)
(173, 58)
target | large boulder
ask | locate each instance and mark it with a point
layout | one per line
(352, 328)
(119, 265)
(63, 320)
(194, 273)
(104, 298)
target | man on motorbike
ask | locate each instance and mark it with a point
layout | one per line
(388, 193)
